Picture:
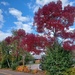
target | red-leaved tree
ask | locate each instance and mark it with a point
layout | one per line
(69, 40)
(34, 43)
(22, 42)
(53, 19)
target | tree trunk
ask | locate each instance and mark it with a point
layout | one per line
(23, 58)
(8, 63)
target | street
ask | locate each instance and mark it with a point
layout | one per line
(10, 72)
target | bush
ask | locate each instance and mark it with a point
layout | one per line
(42, 66)
(14, 65)
(6, 61)
(28, 58)
(70, 71)
(23, 69)
(57, 60)
(0, 64)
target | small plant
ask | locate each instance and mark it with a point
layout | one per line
(23, 69)
(20, 68)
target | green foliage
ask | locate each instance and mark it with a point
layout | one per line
(6, 61)
(14, 65)
(0, 64)
(16, 59)
(57, 60)
(42, 66)
(70, 71)
(28, 58)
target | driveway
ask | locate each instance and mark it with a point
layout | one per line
(34, 66)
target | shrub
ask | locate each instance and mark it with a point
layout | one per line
(26, 69)
(28, 58)
(6, 61)
(20, 62)
(20, 68)
(14, 66)
(57, 60)
(0, 64)
(23, 69)
(42, 66)
(70, 71)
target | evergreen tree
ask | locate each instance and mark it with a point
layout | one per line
(57, 60)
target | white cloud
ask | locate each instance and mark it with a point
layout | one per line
(71, 3)
(27, 27)
(15, 12)
(33, 7)
(30, 5)
(23, 18)
(22, 21)
(43, 2)
(4, 35)
(4, 3)
(18, 15)
(65, 2)
(36, 9)
(1, 19)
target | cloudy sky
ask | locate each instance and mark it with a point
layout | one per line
(15, 14)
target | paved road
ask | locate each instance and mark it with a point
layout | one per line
(10, 72)
(2, 74)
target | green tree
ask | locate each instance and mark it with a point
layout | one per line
(57, 60)
(5, 54)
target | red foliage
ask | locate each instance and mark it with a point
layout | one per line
(15, 38)
(53, 17)
(69, 34)
(69, 45)
(21, 33)
(34, 43)
(8, 40)
(56, 19)
(27, 42)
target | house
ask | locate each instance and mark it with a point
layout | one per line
(38, 57)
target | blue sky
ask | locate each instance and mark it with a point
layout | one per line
(15, 14)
